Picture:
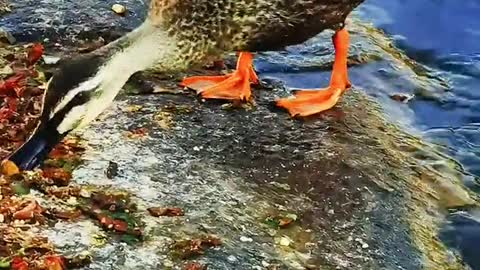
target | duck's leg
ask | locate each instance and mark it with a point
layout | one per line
(234, 86)
(308, 102)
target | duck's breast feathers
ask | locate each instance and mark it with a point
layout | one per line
(248, 24)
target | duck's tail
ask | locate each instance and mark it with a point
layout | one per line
(33, 152)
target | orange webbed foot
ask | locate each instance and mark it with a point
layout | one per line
(234, 86)
(309, 102)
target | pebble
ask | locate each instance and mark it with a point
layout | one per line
(50, 60)
(284, 241)
(246, 239)
(2, 218)
(232, 258)
(119, 9)
(84, 193)
(72, 201)
(168, 263)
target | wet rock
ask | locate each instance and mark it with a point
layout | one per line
(67, 22)
(6, 37)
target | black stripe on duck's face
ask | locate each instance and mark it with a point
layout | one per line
(69, 76)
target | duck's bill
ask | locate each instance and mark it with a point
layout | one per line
(32, 153)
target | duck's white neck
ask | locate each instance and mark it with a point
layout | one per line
(143, 48)
(140, 49)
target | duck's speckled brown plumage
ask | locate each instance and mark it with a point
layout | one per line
(210, 27)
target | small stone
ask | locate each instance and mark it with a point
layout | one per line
(119, 9)
(364, 245)
(331, 211)
(350, 239)
(232, 258)
(72, 201)
(196, 148)
(265, 264)
(50, 60)
(168, 263)
(246, 239)
(85, 194)
(284, 241)
(2, 218)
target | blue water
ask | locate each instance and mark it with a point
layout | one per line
(444, 35)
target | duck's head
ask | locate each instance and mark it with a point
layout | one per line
(84, 86)
(68, 89)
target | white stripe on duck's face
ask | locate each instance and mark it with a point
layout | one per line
(145, 47)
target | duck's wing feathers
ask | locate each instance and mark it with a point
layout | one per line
(253, 25)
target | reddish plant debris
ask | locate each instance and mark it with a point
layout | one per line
(18, 263)
(68, 149)
(110, 223)
(117, 225)
(279, 221)
(20, 98)
(113, 211)
(193, 247)
(29, 211)
(112, 202)
(34, 53)
(168, 211)
(63, 192)
(195, 266)
(137, 133)
(59, 176)
(20, 105)
(54, 262)
(13, 85)
(66, 215)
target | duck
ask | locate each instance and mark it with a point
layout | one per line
(180, 34)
